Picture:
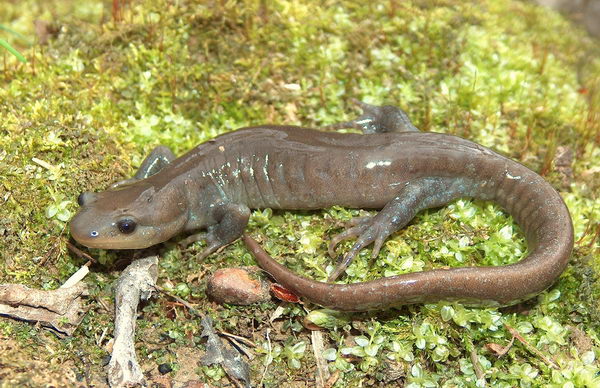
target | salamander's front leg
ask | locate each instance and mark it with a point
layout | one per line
(154, 162)
(232, 220)
(378, 119)
(422, 193)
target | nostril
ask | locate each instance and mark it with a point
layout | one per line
(85, 198)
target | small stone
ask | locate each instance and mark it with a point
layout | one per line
(240, 286)
(164, 368)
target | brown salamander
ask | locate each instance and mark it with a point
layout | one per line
(392, 166)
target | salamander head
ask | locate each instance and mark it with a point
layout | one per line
(134, 217)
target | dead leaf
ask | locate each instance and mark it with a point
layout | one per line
(219, 353)
(284, 294)
(498, 349)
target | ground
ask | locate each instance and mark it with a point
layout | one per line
(106, 81)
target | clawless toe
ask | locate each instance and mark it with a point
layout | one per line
(368, 230)
(353, 231)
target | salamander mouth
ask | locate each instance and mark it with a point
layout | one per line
(94, 239)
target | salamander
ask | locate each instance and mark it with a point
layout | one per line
(391, 166)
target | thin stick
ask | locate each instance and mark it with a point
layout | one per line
(239, 346)
(80, 253)
(182, 301)
(269, 355)
(135, 283)
(77, 276)
(476, 366)
(529, 347)
(243, 340)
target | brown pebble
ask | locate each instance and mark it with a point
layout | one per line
(241, 286)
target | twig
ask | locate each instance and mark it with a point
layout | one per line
(216, 351)
(80, 253)
(476, 365)
(529, 347)
(44, 164)
(239, 346)
(61, 310)
(333, 379)
(50, 252)
(104, 305)
(77, 276)
(243, 340)
(99, 340)
(316, 338)
(269, 357)
(136, 283)
(475, 360)
(182, 301)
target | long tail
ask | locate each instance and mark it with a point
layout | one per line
(536, 207)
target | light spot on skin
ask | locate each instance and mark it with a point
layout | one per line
(221, 148)
(265, 166)
(511, 176)
(379, 163)
(153, 164)
(364, 121)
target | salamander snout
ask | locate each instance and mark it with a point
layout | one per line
(96, 229)
(132, 217)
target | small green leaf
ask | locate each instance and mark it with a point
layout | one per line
(447, 312)
(328, 319)
(371, 350)
(183, 290)
(361, 340)
(294, 363)
(330, 354)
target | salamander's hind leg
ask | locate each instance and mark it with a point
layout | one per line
(377, 119)
(154, 162)
(416, 195)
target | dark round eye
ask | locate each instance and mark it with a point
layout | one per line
(126, 226)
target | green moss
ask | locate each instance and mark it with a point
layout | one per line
(89, 105)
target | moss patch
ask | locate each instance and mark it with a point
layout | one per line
(107, 87)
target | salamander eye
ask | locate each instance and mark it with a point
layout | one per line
(126, 226)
